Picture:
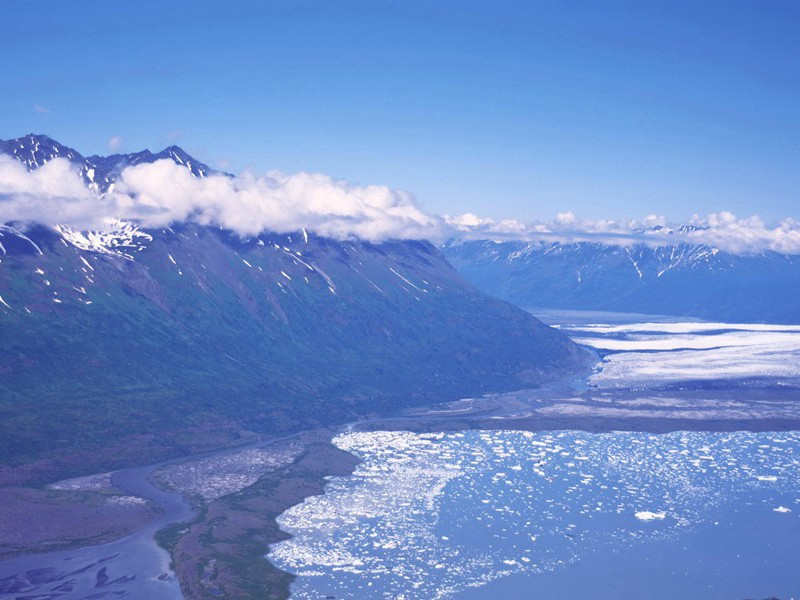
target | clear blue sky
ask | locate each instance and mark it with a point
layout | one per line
(523, 109)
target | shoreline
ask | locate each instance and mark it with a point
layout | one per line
(221, 548)
(224, 551)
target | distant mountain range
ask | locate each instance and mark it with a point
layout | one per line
(680, 279)
(113, 341)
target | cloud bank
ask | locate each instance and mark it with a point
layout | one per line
(722, 230)
(162, 193)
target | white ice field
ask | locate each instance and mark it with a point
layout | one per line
(646, 354)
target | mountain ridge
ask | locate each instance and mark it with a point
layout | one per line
(98, 172)
(681, 279)
(136, 334)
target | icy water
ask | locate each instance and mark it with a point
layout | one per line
(569, 514)
(431, 515)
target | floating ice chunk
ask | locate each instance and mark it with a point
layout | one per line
(646, 515)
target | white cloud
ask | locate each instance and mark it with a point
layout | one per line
(161, 193)
(721, 230)
(52, 194)
(468, 221)
(42, 110)
(471, 225)
(654, 221)
(565, 218)
(115, 143)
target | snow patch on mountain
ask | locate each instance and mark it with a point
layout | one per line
(117, 238)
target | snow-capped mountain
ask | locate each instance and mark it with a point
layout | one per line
(106, 169)
(98, 172)
(681, 279)
(135, 332)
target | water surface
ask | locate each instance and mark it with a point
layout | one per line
(436, 515)
(569, 514)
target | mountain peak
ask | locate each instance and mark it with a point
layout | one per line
(99, 172)
(180, 156)
(37, 136)
(35, 149)
(32, 139)
(175, 150)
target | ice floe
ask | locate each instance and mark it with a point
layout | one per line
(646, 515)
(419, 501)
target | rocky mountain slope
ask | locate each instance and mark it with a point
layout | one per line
(121, 338)
(681, 279)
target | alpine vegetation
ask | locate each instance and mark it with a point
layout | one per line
(145, 298)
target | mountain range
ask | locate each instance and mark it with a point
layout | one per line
(98, 172)
(681, 279)
(129, 344)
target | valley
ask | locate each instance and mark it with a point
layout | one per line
(236, 501)
(130, 345)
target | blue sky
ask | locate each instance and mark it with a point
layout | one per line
(504, 109)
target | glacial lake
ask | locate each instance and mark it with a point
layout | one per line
(486, 514)
(475, 514)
